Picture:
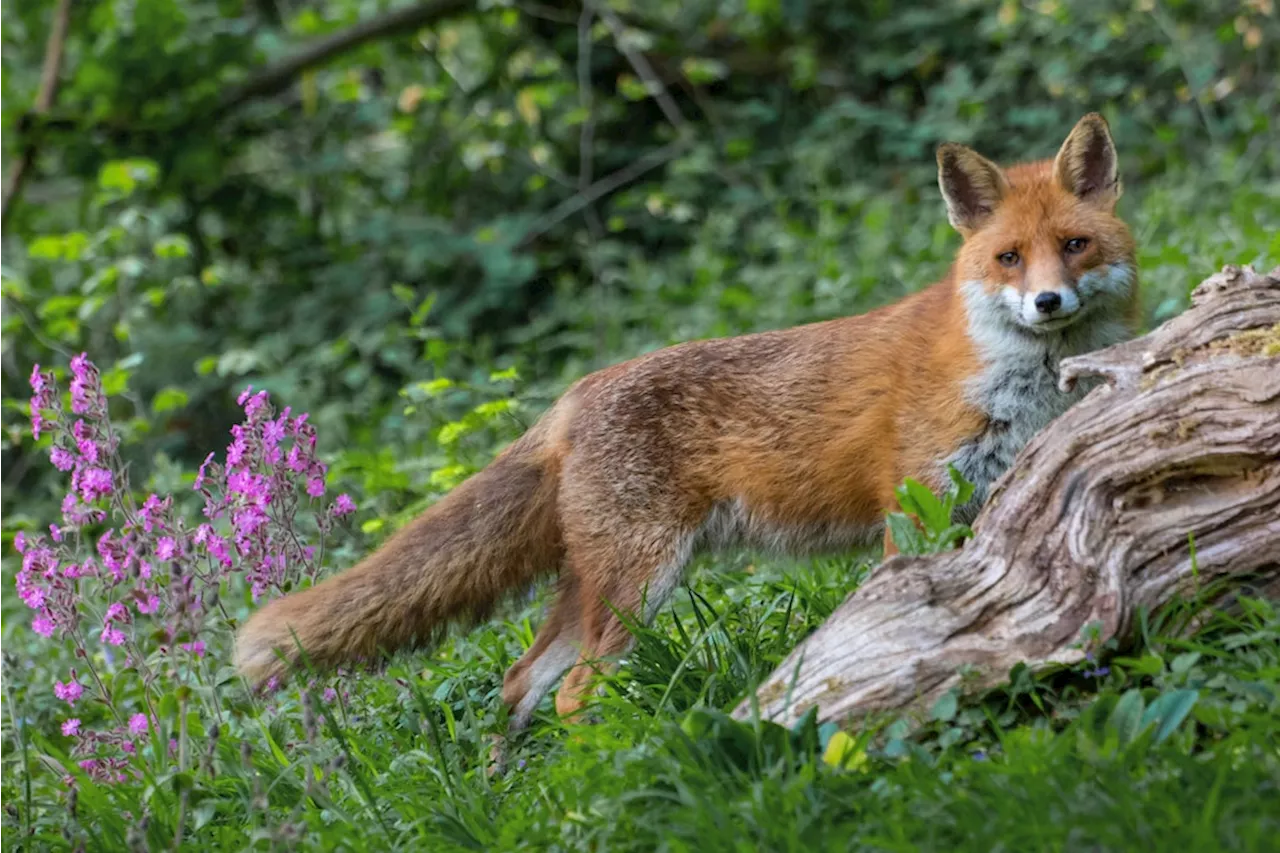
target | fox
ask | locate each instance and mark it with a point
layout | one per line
(791, 441)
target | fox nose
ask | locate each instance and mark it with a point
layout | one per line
(1048, 302)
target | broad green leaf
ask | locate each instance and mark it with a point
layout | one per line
(945, 708)
(168, 398)
(1174, 709)
(1126, 717)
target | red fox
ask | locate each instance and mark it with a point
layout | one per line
(792, 440)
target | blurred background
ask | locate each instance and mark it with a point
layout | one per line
(420, 222)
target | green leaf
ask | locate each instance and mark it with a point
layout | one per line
(945, 708)
(237, 362)
(172, 246)
(45, 248)
(843, 751)
(962, 489)
(952, 535)
(493, 408)
(1175, 707)
(929, 508)
(403, 293)
(123, 177)
(906, 535)
(701, 71)
(451, 432)
(14, 288)
(168, 399)
(1149, 664)
(115, 381)
(1126, 717)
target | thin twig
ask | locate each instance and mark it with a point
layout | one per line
(547, 13)
(603, 187)
(275, 78)
(586, 99)
(34, 328)
(1170, 32)
(45, 95)
(653, 83)
(20, 735)
(586, 145)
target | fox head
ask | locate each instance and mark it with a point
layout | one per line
(1043, 247)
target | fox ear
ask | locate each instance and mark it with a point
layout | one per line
(971, 185)
(1087, 165)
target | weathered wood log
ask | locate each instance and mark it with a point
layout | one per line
(1094, 521)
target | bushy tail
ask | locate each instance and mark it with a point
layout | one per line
(494, 533)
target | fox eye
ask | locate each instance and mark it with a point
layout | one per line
(1076, 245)
(1008, 259)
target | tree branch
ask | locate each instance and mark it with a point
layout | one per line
(642, 67)
(602, 187)
(45, 95)
(277, 77)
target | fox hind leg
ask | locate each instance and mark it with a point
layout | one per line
(632, 575)
(555, 648)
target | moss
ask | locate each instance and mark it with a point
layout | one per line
(772, 692)
(831, 686)
(1187, 427)
(1263, 342)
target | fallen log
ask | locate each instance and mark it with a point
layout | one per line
(1164, 479)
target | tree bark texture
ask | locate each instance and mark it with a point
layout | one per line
(1176, 454)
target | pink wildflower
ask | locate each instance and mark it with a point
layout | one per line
(81, 384)
(166, 548)
(94, 483)
(69, 692)
(88, 449)
(200, 475)
(62, 459)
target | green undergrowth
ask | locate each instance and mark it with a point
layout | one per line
(1174, 743)
(1167, 741)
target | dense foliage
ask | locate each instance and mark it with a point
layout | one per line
(421, 239)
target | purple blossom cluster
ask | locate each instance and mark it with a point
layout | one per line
(257, 490)
(138, 579)
(111, 750)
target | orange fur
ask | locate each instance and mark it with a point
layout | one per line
(792, 439)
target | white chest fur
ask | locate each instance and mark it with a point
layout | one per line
(1017, 389)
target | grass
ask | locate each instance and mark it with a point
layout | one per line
(398, 761)
(1056, 763)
